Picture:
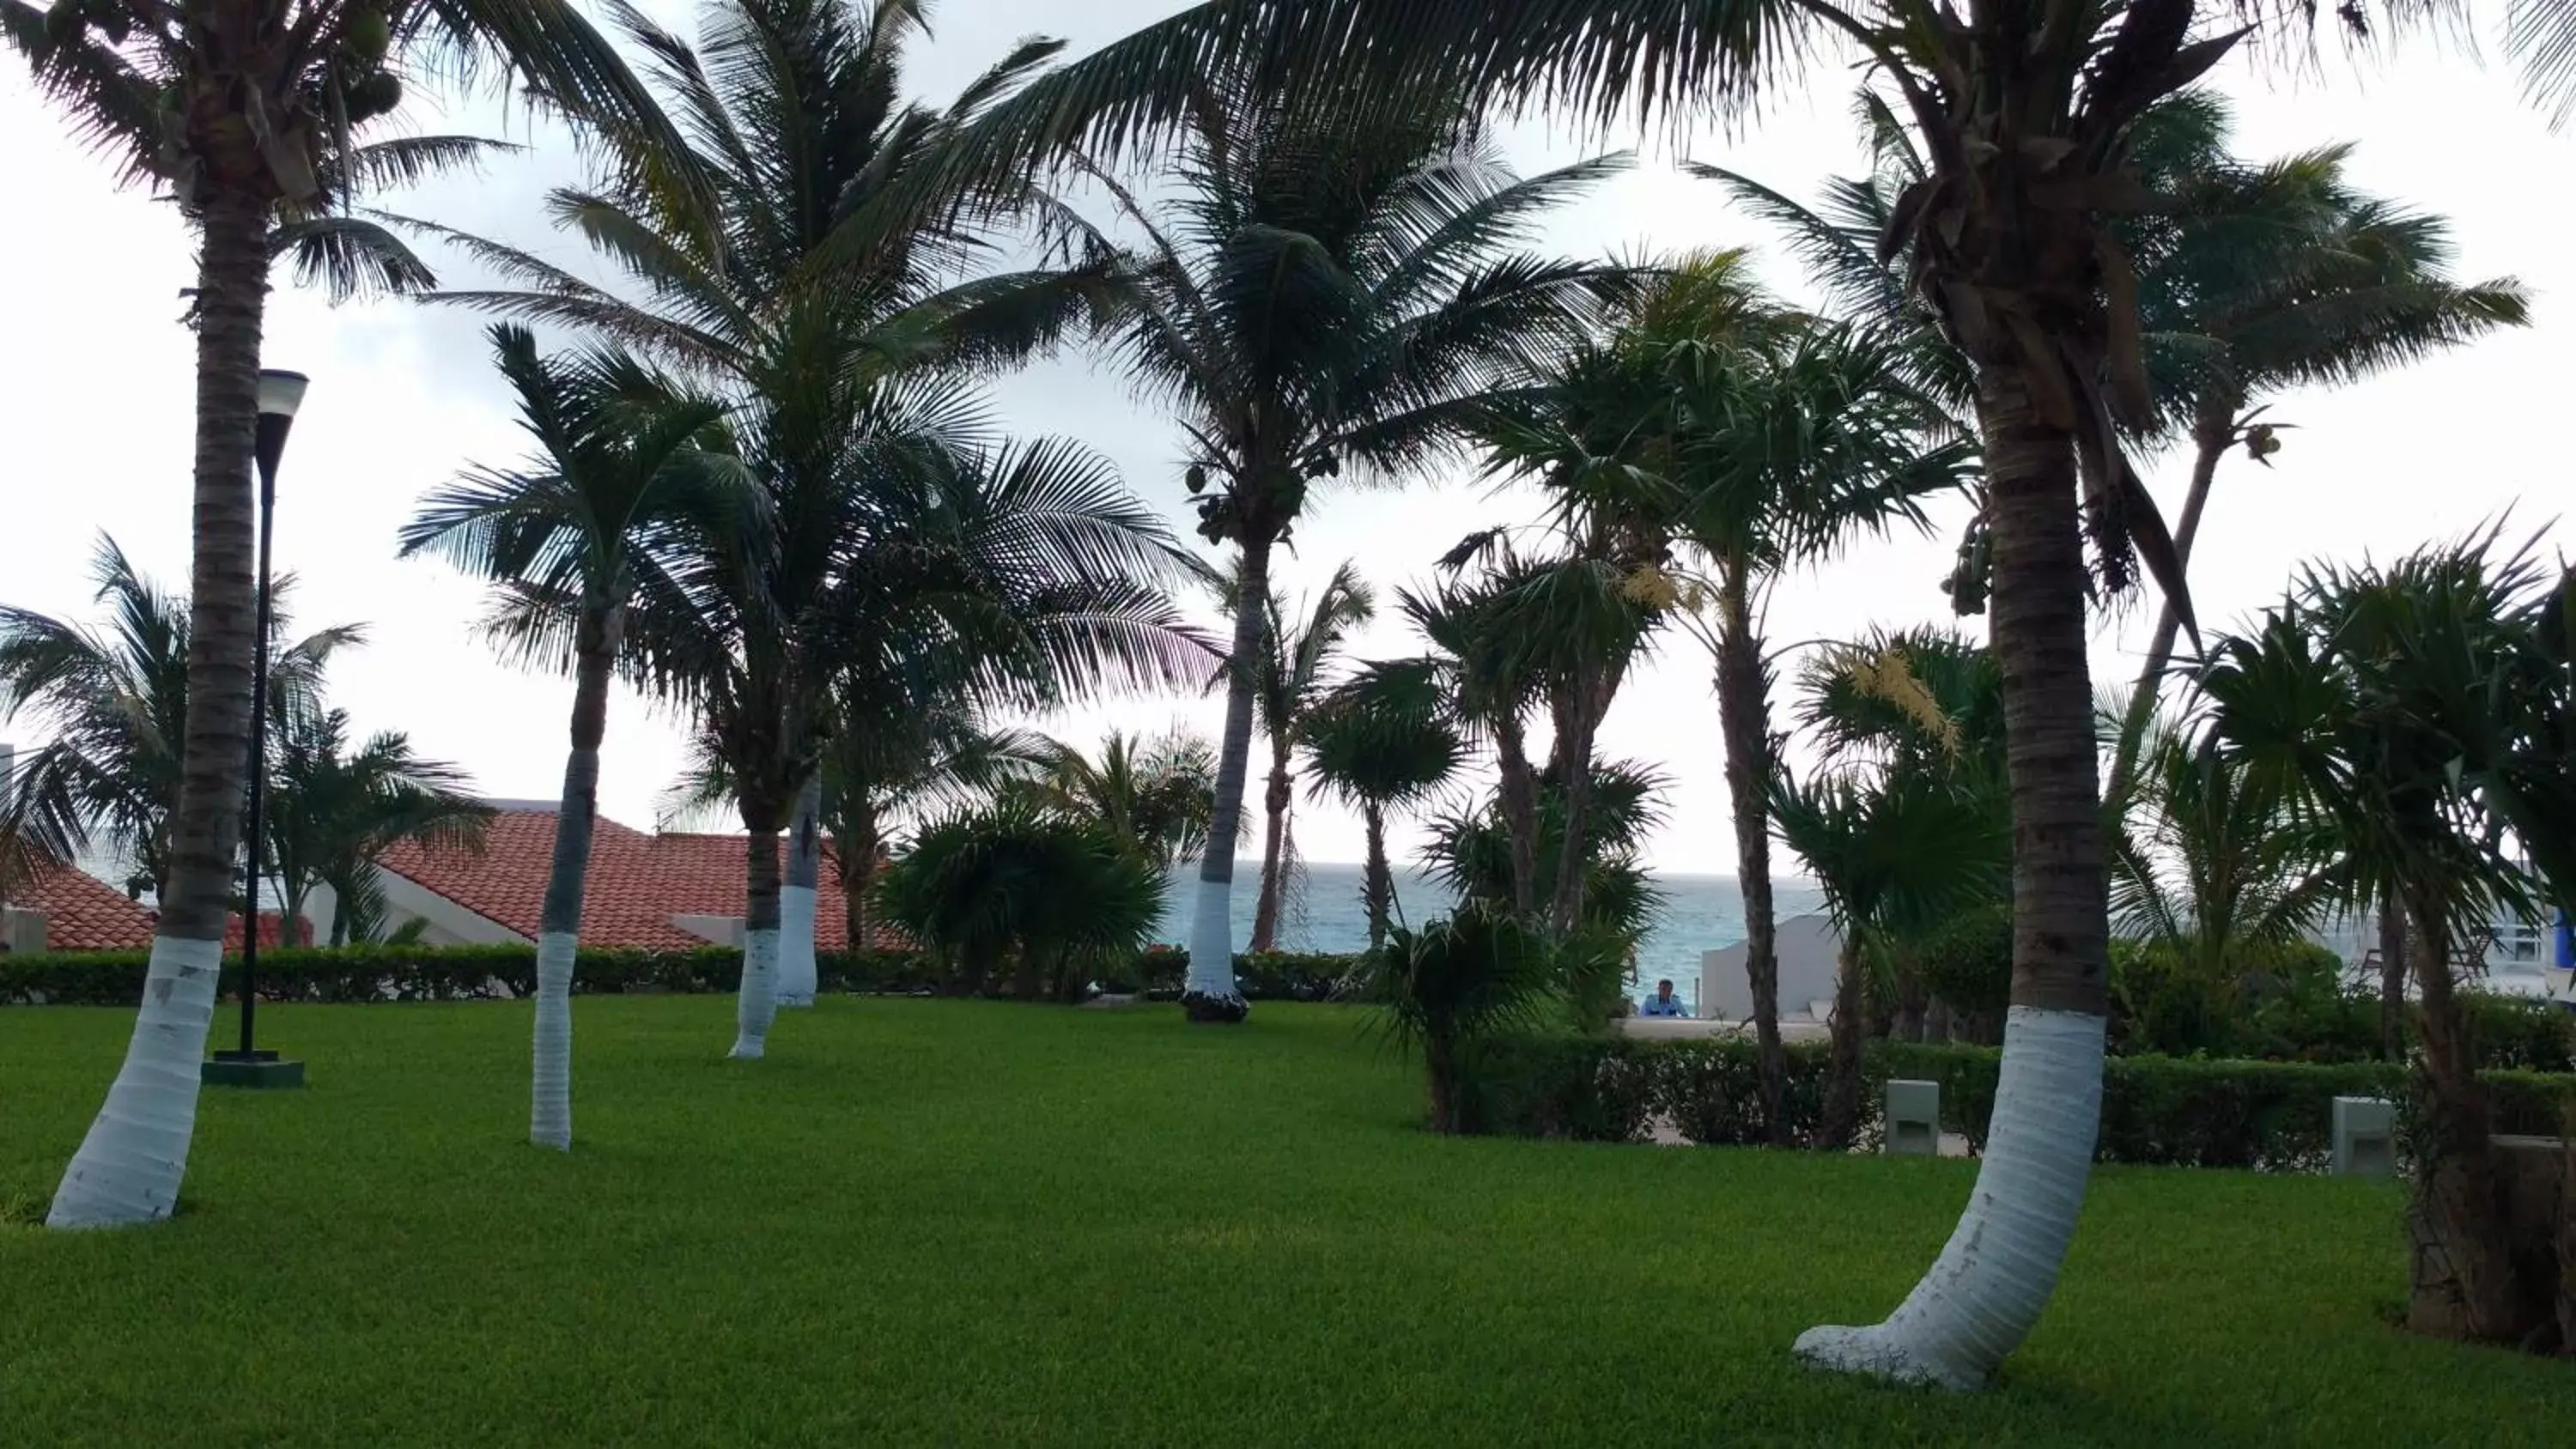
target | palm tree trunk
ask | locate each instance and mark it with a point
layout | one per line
(2392, 979)
(567, 879)
(129, 1167)
(1517, 787)
(2214, 431)
(1842, 1079)
(2464, 1281)
(1377, 888)
(796, 977)
(1265, 915)
(1744, 722)
(858, 867)
(1211, 994)
(757, 1003)
(1911, 996)
(1996, 1274)
(1578, 722)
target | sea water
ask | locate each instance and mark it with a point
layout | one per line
(1699, 913)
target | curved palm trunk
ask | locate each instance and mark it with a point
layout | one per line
(129, 1167)
(567, 878)
(2464, 1272)
(1993, 1279)
(1211, 994)
(2392, 979)
(1842, 1079)
(1274, 850)
(1377, 882)
(796, 976)
(1517, 787)
(2211, 437)
(1744, 722)
(756, 1003)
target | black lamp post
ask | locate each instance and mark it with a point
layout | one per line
(280, 393)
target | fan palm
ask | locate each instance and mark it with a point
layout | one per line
(884, 772)
(626, 461)
(1468, 976)
(1153, 795)
(2422, 709)
(114, 701)
(1380, 741)
(246, 113)
(1330, 289)
(1013, 884)
(332, 811)
(1294, 668)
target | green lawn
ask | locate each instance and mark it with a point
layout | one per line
(951, 1223)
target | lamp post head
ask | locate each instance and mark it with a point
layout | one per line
(280, 394)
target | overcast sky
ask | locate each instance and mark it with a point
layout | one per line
(95, 391)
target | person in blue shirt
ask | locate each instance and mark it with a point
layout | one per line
(1663, 1002)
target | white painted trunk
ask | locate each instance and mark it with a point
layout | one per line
(1212, 941)
(1986, 1291)
(128, 1168)
(550, 1085)
(796, 980)
(758, 1003)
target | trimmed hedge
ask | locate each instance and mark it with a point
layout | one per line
(2272, 1116)
(370, 972)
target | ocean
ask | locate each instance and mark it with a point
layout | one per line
(1700, 913)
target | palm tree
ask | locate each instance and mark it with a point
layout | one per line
(1380, 741)
(332, 811)
(620, 472)
(824, 281)
(2225, 857)
(1012, 884)
(1904, 828)
(882, 773)
(1490, 681)
(1329, 291)
(1757, 441)
(115, 703)
(246, 119)
(1476, 973)
(2275, 277)
(1293, 670)
(1153, 795)
(2420, 710)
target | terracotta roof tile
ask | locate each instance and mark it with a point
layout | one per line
(83, 913)
(637, 882)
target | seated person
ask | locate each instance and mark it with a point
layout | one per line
(1663, 1002)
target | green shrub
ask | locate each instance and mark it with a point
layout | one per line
(1968, 964)
(1589, 1089)
(387, 972)
(2520, 1033)
(2272, 1116)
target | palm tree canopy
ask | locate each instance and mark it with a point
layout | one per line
(1301, 648)
(333, 810)
(626, 459)
(181, 96)
(1154, 795)
(1383, 737)
(1335, 280)
(113, 701)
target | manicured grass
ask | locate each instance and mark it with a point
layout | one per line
(953, 1223)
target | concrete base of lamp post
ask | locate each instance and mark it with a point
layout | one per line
(258, 1069)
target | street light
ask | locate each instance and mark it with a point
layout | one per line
(280, 393)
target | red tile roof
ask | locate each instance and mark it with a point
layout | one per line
(83, 913)
(637, 882)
